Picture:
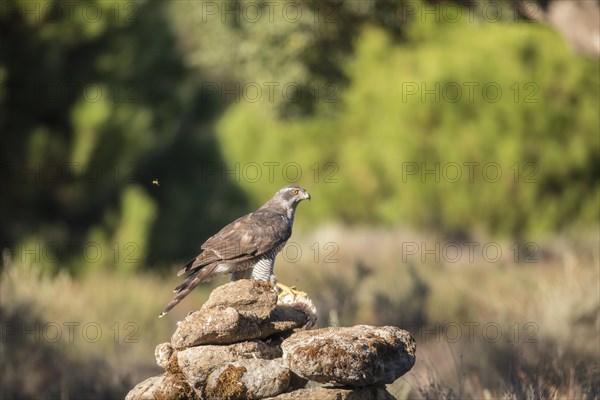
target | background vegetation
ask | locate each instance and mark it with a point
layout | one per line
(133, 130)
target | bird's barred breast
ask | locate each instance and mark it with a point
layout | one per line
(263, 268)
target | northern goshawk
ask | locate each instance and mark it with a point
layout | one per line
(247, 247)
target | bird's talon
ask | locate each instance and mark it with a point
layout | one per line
(289, 291)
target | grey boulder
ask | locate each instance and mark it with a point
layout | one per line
(333, 393)
(248, 379)
(356, 356)
(197, 363)
(166, 386)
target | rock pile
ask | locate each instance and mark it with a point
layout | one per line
(242, 344)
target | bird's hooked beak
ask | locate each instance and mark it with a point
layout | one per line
(306, 195)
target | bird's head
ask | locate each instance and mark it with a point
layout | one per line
(292, 194)
(289, 197)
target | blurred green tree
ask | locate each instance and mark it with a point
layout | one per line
(95, 105)
(100, 99)
(501, 137)
(303, 44)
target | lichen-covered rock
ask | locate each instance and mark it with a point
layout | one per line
(166, 357)
(241, 345)
(296, 382)
(197, 363)
(248, 379)
(218, 325)
(163, 387)
(283, 318)
(332, 393)
(254, 299)
(357, 356)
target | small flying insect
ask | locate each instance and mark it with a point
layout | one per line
(155, 182)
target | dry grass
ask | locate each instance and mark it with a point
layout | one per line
(91, 337)
(485, 328)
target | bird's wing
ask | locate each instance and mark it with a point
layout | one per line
(243, 239)
(252, 235)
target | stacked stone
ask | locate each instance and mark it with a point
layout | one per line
(241, 345)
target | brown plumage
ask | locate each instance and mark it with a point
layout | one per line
(247, 247)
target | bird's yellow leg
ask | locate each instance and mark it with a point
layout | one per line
(289, 291)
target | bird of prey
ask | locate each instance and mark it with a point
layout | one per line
(247, 247)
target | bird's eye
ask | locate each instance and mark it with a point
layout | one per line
(295, 192)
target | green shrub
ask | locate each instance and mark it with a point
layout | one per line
(504, 115)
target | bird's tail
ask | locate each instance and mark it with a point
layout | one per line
(194, 279)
